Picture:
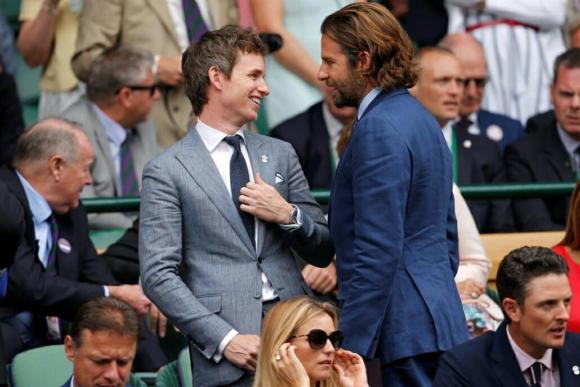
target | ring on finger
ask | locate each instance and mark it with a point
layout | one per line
(278, 357)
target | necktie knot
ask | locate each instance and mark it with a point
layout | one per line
(463, 124)
(536, 375)
(234, 141)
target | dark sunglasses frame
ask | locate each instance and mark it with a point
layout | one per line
(479, 82)
(317, 338)
(151, 88)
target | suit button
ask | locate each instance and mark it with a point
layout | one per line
(176, 109)
(257, 295)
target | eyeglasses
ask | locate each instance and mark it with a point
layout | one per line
(317, 338)
(151, 88)
(479, 82)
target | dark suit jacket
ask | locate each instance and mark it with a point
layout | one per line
(11, 121)
(392, 220)
(538, 157)
(308, 135)
(11, 225)
(489, 360)
(540, 121)
(511, 129)
(479, 162)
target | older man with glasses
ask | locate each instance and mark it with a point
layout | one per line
(121, 92)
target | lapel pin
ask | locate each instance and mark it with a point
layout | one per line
(467, 144)
(64, 245)
(264, 158)
(494, 133)
(576, 370)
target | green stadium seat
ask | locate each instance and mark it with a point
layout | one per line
(44, 366)
(168, 376)
(184, 368)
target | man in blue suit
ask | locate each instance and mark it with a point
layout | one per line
(531, 347)
(391, 210)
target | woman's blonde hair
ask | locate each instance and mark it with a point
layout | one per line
(280, 323)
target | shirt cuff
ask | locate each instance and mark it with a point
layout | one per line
(294, 226)
(217, 357)
(107, 293)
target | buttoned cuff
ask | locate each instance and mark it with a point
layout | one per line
(217, 357)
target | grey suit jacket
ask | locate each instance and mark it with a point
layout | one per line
(198, 263)
(143, 147)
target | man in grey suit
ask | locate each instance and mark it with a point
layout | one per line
(221, 211)
(115, 116)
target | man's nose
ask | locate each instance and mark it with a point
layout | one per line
(322, 75)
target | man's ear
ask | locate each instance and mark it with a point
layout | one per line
(124, 97)
(512, 309)
(56, 165)
(216, 77)
(69, 348)
(364, 61)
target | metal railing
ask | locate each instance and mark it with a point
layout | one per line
(480, 191)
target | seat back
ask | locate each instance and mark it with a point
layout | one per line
(184, 368)
(44, 366)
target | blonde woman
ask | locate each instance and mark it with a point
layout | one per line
(300, 347)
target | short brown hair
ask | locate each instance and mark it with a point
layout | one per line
(572, 235)
(371, 27)
(219, 48)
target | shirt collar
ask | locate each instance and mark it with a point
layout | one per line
(367, 101)
(212, 137)
(570, 143)
(525, 361)
(448, 132)
(333, 126)
(115, 132)
(39, 207)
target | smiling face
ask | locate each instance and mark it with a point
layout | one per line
(347, 87)
(540, 323)
(440, 85)
(565, 93)
(316, 362)
(242, 92)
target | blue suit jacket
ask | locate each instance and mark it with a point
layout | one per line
(510, 128)
(393, 224)
(489, 360)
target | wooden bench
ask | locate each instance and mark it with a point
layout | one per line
(497, 246)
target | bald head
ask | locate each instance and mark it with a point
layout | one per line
(472, 59)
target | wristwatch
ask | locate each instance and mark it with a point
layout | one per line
(294, 215)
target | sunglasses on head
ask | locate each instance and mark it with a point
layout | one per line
(479, 82)
(150, 88)
(317, 338)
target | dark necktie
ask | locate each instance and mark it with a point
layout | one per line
(193, 20)
(536, 375)
(129, 185)
(463, 124)
(51, 262)
(239, 177)
(577, 162)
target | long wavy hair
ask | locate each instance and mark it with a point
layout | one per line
(282, 322)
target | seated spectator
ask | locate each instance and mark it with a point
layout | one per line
(481, 312)
(56, 268)
(569, 249)
(47, 38)
(531, 348)
(472, 118)
(550, 153)
(102, 343)
(476, 159)
(114, 115)
(300, 346)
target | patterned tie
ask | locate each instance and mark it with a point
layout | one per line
(193, 20)
(239, 177)
(51, 262)
(536, 375)
(129, 185)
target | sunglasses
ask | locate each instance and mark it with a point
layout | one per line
(151, 88)
(479, 82)
(317, 338)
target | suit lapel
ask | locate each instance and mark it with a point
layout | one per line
(567, 365)
(102, 142)
(260, 160)
(504, 362)
(160, 8)
(196, 159)
(557, 154)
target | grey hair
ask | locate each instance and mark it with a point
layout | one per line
(45, 139)
(121, 66)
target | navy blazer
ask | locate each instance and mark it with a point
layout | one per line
(392, 220)
(539, 157)
(491, 123)
(489, 360)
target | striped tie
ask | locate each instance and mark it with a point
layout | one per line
(51, 262)
(193, 20)
(129, 185)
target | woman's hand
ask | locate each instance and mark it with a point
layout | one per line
(288, 366)
(351, 369)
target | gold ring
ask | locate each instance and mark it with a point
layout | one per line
(474, 295)
(278, 357)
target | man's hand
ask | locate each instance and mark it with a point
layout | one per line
(132, 295)
(169, 70)
(322, 280)
(264, 202)
(158, 321)
(242, 351)
(469, 288)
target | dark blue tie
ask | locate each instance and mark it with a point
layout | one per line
(239, 177)
(536, 375)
